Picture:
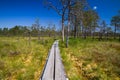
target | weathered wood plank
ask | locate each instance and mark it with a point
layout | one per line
(54, 69)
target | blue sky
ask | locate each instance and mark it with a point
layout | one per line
(24, 12)
(106, 8)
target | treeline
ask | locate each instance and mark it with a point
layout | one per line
(14, 31)
(80, 20)
(30, 31)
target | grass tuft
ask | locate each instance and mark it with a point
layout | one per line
(91, 59)
(21, 60)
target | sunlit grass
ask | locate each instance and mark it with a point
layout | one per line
(91, 59)
(20, 60)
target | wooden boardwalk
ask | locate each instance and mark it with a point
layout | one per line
(54, 69)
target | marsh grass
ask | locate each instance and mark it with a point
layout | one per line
(91, 59)
(21, 61)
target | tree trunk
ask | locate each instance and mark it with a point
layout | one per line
(107, 36)
(119, 36)
(93, 34)
(90, 31)
(68, 33)
(115, 32)
(38, 35)
(68, 23)
(75, 29)
(29, 38)
(100, 36)
(82, 32)
(85, 34)
(63, 28)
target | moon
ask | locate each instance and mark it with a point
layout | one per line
(95, 7)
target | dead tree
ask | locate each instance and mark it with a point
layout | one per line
(60, 7)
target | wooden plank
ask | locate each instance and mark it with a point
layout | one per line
(54, 69)
(60, 72)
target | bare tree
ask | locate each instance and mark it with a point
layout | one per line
(108, 32)
(104, 28)
(116, 23)
(60, 7)
(94, 25)
(36, 28)
(77, 15)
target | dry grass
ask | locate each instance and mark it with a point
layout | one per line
(21, 61)
(92, 60)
